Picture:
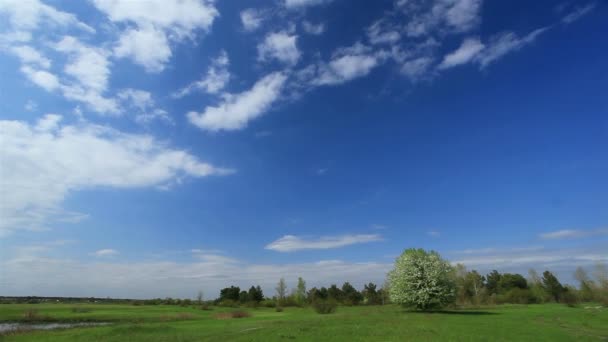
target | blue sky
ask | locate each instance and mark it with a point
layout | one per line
(155, 148)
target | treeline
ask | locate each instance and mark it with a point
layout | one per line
(499, 288)
(67, 300)
(300, 296)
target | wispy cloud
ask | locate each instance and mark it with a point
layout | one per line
(291, 243)
(108, 252)
(573, 233)
(578, 13)
(433, 233)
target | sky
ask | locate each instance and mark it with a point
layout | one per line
(157, 148)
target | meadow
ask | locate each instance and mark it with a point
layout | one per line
(538, 322)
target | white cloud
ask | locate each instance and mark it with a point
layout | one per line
(30, 106)
(578, 13)
(505, 43)
(433, 233)
(29, 55)
(41, 164)
(345, 68)
(138, 98)
(467, 51)
(43, 275)
(158, 22)
(215, 80)
(41, 78)
(88, 65)
(28, 15)
(573, 233)
(291, 243)
(252, 19)
(381, 32)
(281, 46)
(294, 4)
(88, 69)
(416, 68)
(474, 51)
(311, 28)
(105, 253)
(142, 102)
(236, 110)
(444, 16)
(147, 46)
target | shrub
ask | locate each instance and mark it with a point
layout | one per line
(205, 306)
(228, 303)
(569, 298)
(33, 315)
(279, 309)
(233, 314)
(269, 303)
(324, 307)
(81, 310)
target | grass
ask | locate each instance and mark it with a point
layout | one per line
(548, 322)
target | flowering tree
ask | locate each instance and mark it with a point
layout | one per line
(422, 280)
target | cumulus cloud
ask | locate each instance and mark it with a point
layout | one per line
(215, 80)
(252, 19)
(42, 163)
(280, 46)
(157, 23)
(344, 68)
(147, 46)
(41, 78)
(25, 16)
(236, 110)
(29, 55)
(291, 243)
(88, 71)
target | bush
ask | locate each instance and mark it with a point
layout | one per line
(569, 298)
(33, 315)
(228, 303)
(205, 306)
(517, 296)
(268, 303)
(81, 310)
(233, 314)
(279, 309)
(324, 307)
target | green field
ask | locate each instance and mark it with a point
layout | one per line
(548, 322)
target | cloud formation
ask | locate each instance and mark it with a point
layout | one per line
(292, 243)
(236, 110)
(43, 162)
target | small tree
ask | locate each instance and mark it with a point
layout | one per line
(422, 280)
(281, 290)
(301, 291)
(350, 295)
(553, 287)
(199, 298)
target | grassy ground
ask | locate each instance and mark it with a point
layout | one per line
(549, 322)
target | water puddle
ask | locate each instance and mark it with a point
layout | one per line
(10, 327)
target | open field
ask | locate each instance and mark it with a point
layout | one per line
(548, 322)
